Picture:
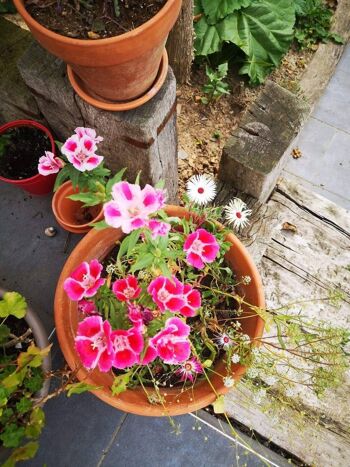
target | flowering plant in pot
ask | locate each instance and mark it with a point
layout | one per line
(82, 183)
(21, 144)
(115, 50)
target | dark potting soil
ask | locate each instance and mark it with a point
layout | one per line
(91, 19)
(85, 215)
(20, 150)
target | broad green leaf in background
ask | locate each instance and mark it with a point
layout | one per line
(23, 453)
(216, 10)
(13, 304)
(207, 39)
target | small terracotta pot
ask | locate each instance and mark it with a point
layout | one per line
(38, 184)
(119, 68)
(98, 244)
(66, 210)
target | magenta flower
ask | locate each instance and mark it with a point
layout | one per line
(49, 164)
(172, 344)
(189, 369)
(137, 314)
(87, 307)
(81, 131)
(167, 293)
(84, 281)
(201, 247)
(193, 301)
(126, 289)
(93, 343)
(80, 151)
(127, 347)
(131, 206)
(158, 228)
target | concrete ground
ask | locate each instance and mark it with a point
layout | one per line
(325, 141)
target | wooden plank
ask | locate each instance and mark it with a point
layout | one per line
(305, 264)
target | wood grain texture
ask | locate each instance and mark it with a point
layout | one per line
(298, 265)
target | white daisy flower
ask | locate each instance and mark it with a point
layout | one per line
(236, 213)
(201, 189)
(270, 380)
(252, 372)
(235, 358)
(228, 381)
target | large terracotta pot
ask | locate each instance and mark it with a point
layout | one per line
(65, 210)
(38, 184)
(119, 68)
(97, 244)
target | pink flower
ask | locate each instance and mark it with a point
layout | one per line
(158, 228)
(189, 369)
(127, 347)
(172, 344)
(137, 314)
(193, 301)
(87, 307)
(81, 131)
(167, 293)
(84, 281)
(49, 164)
(126, 289)
(201, 247)
(80, 151)
(131, 206)
(93, 343)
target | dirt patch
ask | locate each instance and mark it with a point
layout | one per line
(92, 19)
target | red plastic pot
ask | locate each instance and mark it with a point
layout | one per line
(38, 184)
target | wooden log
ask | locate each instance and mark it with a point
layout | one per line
(143, 139)
(306, 262)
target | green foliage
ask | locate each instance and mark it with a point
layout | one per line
(120, 383)
(7, 6)
(22, 453)
(263, 30)
(215, 87)
(79, 388)
(4, 139)
(313, 21)
(13, 304)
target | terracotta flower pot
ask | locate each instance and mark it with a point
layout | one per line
(97, 244)
(38, 184)
(67, 211)
(119, 68)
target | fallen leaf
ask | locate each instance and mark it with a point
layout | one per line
(296, 153)
(289, 226)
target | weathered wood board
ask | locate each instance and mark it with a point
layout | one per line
(302, 265)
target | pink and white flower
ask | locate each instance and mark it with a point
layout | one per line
(237, 214)
(91, 133)
(167, 293)
(93, 343)
(189, 370)
(137, 314)
(193, 301)
(224, 340)
(171, 343)
(158, 228)
(49, 164)
(87, 307)
(131, 207)
(80, 151)
(201, 247)
(84, 281)
(127, 346)
(126, 289)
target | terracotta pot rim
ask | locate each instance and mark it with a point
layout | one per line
(86, 42)
(132, 400)
(122, 105)
(34, 124)
(55, 201)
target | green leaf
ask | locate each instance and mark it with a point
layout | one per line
(123, 248)
(219, 405)
(207, 40)
(100, 225)
(79, 388)
(33, 357)
(218, 9)
(263, 31)
(24, 405)
(4, 333)
(13, 304)
(74, 176)
(142, 263)
(62, 176)
(116, 8)
(120, 383)
(133, 239)
(12, 435)
(35, 381)
(23, 453)
(137, 180)
(89, 199)
(36, 423)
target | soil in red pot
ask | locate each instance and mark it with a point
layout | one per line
(20, 150)
(93, 19)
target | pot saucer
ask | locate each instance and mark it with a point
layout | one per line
(80, 88)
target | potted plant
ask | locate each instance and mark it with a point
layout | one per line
(153, 307)
(110, 60)
(25, 363)
(78, 202)
(22, 142)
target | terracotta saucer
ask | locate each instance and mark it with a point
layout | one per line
(99, 102)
